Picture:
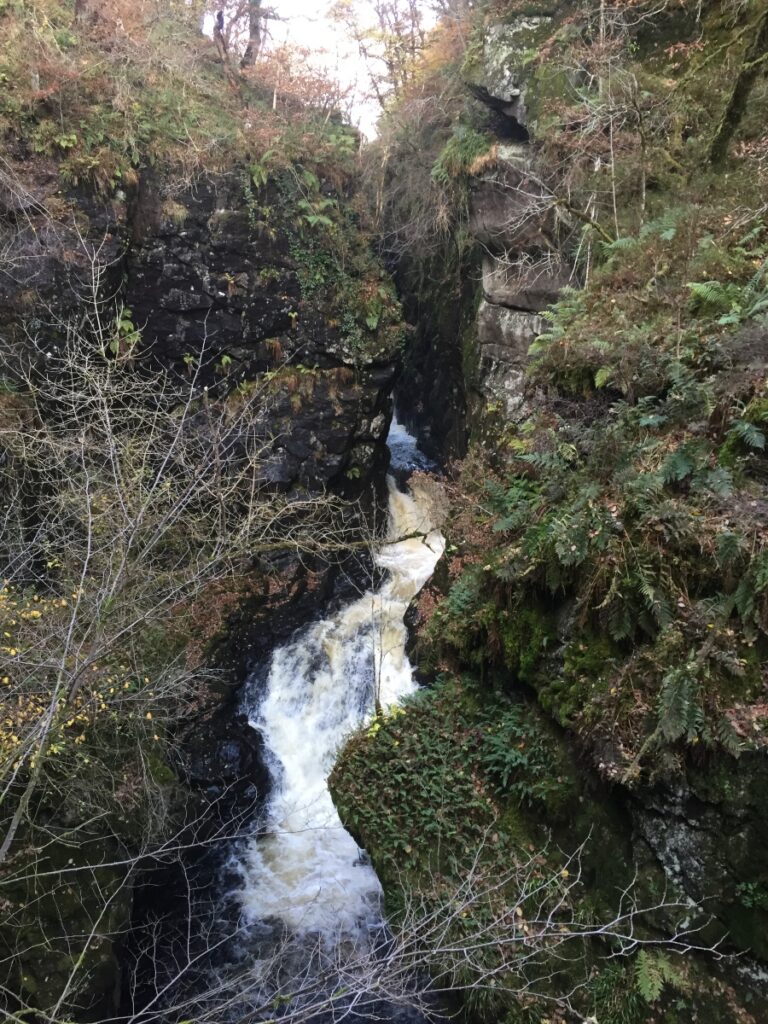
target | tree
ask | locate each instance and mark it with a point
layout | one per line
(753, 64)
(254, 33)
(390, 45)
(136, 514)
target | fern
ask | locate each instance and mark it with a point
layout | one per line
(713, 296)
(749, 434)
(728, 548)
(677, 466)
(688, 396)
(649, 979)
(744, 597)
(603, 376)
(464, 595)
(718, 481)
(755, 298)
(727, 737)
(678, 707)
(615, 250)
(664, 227)
(735, 303)
(620, 620)
(654, 970)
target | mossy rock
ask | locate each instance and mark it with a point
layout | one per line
(527, 634)
(47, 933)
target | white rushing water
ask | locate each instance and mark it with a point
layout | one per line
(307, 871)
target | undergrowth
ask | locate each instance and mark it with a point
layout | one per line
(621, 565)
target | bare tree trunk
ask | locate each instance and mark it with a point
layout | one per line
(254, 34)
(81, 10)
(754, 61)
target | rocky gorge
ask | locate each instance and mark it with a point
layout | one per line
(564, 293)
(539, 388)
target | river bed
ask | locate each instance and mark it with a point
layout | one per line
(304, 869)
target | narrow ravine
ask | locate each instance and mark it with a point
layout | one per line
(305, 870)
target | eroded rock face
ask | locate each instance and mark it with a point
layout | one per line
(524, 284)
(502, 77)
(504, 337)
(50, 243)
(510, 209)
(214, 289)
(218, 300)
(432, 388)
(512, 213)
(513, 216)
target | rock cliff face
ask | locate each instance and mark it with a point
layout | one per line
(432, 392)
(214, 286)
(216, 295)
(474, 324)
(512, 219)
(501, 78)
(213, 276)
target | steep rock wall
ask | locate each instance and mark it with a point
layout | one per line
(512, 218)
(216, 295)
(211, 283)
(432, 391)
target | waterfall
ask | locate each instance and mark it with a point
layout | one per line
(305, 870)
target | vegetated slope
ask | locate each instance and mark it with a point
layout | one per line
(197, 350)
(607, 580)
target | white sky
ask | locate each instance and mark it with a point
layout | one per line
(308, 24)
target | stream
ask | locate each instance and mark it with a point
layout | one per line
(305, 872)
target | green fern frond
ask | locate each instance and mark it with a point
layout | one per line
(749, 434)
(677, 466)
(713, 296)
(649, 979)
(727, 737)
(678, 705)
(653, 970)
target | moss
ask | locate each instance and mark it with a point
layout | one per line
(160, 771)
(526, 634)
(586, 668)
(460, 774)
(757, 411)
(46, 924)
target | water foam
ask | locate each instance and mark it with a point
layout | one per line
(307, 871)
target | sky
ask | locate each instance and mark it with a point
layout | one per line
(307, 24)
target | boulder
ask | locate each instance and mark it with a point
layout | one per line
(510, 208)
(524, 285)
